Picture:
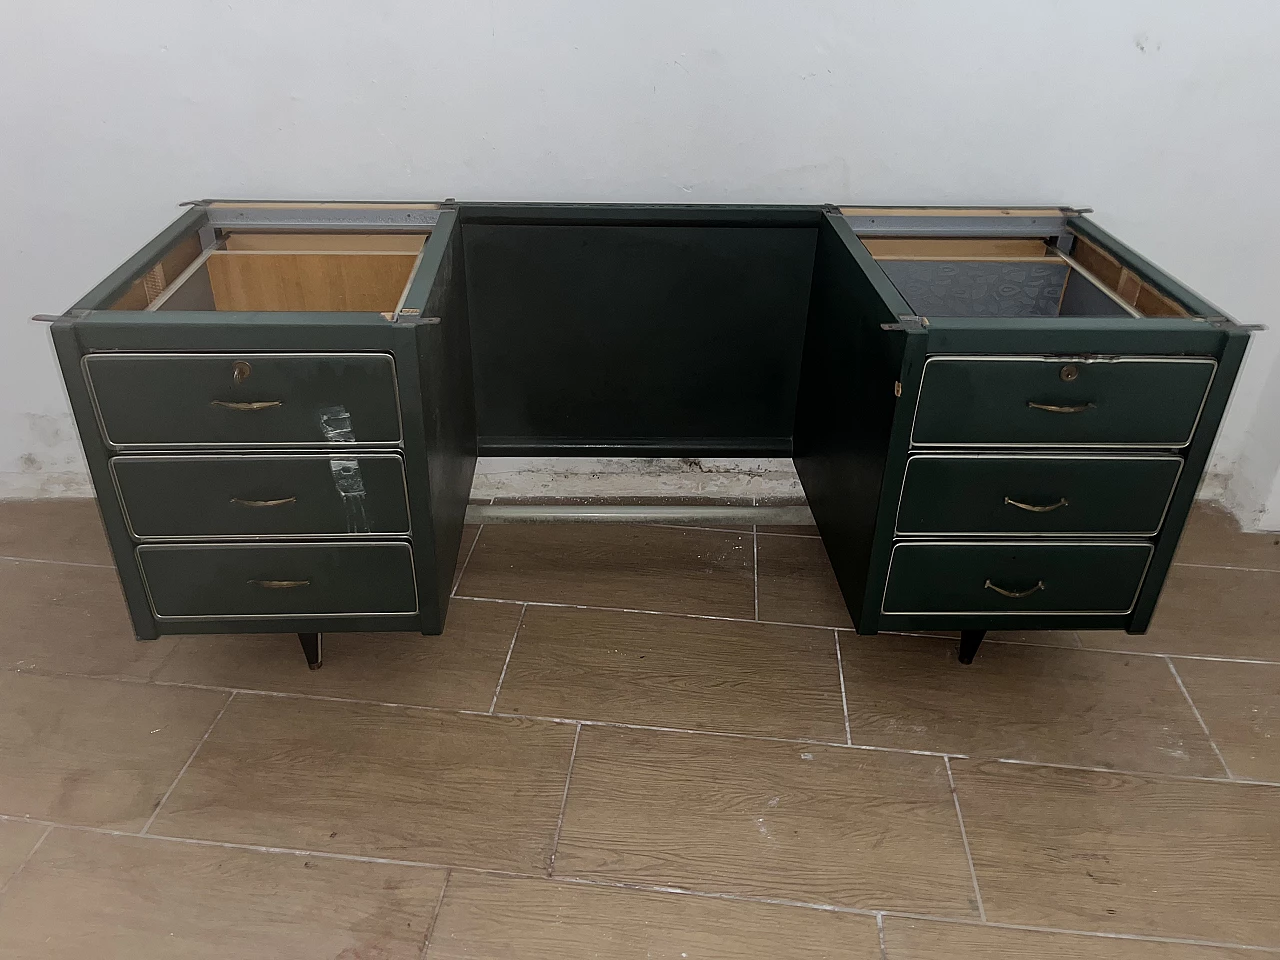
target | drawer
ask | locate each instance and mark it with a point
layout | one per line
(240, 496)
(202, 581)
(1050, 401)
(998, 578)
(244, 400)
(987, 493)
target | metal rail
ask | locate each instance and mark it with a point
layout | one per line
(659, 513)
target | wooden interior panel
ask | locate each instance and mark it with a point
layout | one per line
(389, 242)
(1127, 285)
(152, 283)
(955, 248)
(309, 281)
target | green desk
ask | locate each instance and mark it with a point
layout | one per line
(999, 416)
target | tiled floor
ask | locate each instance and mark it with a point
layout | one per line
(637, 742)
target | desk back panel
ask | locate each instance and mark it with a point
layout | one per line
(640, 339)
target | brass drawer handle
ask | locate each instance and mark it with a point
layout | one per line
(284, 501)
(1033, 508)
(1054, 408)
(238, 405)
(281, 584)
(1014, 594)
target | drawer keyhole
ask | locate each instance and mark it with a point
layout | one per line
(240, 371)
(1069, 372)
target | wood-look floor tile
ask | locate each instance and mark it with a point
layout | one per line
(458, 669)
(1212, 536)
(1023, 702)
(1209, 611)
(95, 752)
(108, 897)
(1240, 704)
(71, 619)
(16, 841)
(494, 918)
(816, 824)
(675, 671)
(1043, 638)
(53, 529)
(667, 569)
(937, 940)
(796, 583)
(393, 782)
(1122, 853)
(469, 533)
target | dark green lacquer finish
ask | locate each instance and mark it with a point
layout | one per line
(1138, 401)
(659, 338)
(275, 580)
(245, 399)
(999, 578)
(260, 496)
(992, 493)
(645, 330)
(847, 419)
(438, 403)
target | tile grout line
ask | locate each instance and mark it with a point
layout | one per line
(828, 626)
(465, 560)
(564, 801)
(435, 915)
(656, 728)
(62, 563)
(884, 950)
(652, 888)
(844, 700)
(493, 705)
(1067, 931)
(656, 613)
(1199, 719)
(1223, 566)
(755, 567)
(160, 806)
(964, 837)
(25, 860)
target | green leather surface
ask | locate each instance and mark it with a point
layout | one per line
(320, 399)
(212, 581)
(240, 495)
(1148, 402)
(972, 494)
(953, 577)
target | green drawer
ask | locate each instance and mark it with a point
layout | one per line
(278, 580)
(990, 493)
(240, 496)
(244, 400)
(995, 578)
(1047, 401)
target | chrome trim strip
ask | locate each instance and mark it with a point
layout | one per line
(253, 537)
(627, 513)
(182, 278)
(152, 547)
(1064, 358)
(1016, 613)
(302, 215)
(897, 517)
(282, 445)
(926, 224)
(1115, 297)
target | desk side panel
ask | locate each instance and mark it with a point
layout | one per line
(845, 412)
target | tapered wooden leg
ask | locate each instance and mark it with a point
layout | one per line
(311, 648)
(970, 640)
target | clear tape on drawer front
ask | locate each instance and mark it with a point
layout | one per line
(335, 423)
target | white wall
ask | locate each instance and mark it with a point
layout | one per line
(1161, 114)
